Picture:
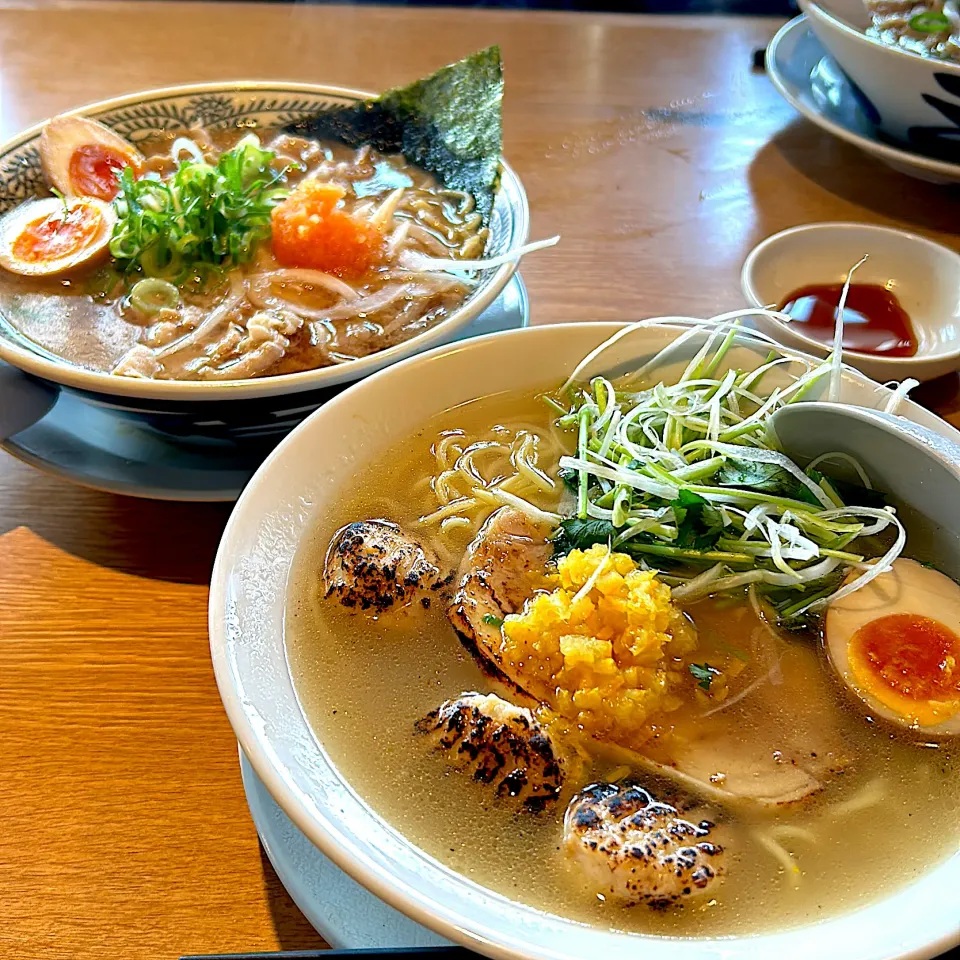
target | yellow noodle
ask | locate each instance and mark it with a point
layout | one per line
(452, 522)
(790, 831)
(782, 855)
(465, 462)
(525, 460)
(444, 486)
(449, 510)
(510, 476)
(516, 484)
(444, 443)
(504, 498)
(868, 797)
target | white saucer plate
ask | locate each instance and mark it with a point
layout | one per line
(345, 914)
(98, 447)
(811, 82)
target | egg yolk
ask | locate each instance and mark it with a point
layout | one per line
(911, 664)
(93, 171)
(58, 235)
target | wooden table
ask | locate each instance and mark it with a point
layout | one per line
(648, 143)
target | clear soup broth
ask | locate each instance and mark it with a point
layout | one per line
(890, 814)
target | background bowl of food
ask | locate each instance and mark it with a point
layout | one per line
(904, 61)
(219, 257)
(646, 749)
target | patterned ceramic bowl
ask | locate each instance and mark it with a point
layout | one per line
(270, 405)
(910, 98)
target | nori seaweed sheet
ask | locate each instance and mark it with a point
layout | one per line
(449, 123)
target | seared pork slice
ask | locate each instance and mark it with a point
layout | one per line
(374, 565)
(634, 849)
(501, 568)
(502, 744)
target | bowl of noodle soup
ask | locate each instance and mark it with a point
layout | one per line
(903, 61)
(334, 741)
(254, 351)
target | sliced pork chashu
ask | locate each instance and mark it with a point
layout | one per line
(375, 565)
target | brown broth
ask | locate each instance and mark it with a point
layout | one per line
(363, 682)
(77, 320)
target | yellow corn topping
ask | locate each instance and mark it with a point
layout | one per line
(603, 648)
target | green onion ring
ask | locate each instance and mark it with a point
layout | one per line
(929, 22)
(152, 295)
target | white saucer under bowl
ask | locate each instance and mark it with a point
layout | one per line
(811, 82)
(98, 447)
(345, 914)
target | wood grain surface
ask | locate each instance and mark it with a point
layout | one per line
(653, 148)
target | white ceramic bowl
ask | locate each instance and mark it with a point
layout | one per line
(924, 275)
(280, 507)
(899, 90)
(205, 407)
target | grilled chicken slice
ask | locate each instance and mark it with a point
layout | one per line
(374, 565)
(634, 849)
(745, 769)
(782, 749)
(501, 568)
(785, 759)
(502, 744)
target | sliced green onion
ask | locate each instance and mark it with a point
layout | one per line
(929, 22)
(584, 478)
(685, 468)
(202, 219)
(152, 295)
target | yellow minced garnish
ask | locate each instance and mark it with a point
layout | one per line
(604, 654)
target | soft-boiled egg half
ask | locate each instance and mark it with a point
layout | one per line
(82, 158)
(49, 237)
(896, 644)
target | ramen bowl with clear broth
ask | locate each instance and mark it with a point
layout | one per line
(251, 349)
(461, 784)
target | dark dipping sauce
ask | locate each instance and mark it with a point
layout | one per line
(873, 319)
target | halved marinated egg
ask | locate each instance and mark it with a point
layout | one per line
(44, 238)
(81, 157)
(896, 644)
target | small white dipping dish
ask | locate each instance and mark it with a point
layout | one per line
(924, 276)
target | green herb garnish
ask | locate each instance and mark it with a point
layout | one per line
(201, 220)
(493, 621)
(63, 201)
(767, 477)
(577, 534)
(570, 479)
(698, 525)
(684, 474)
(929, 22)
(703, 673)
